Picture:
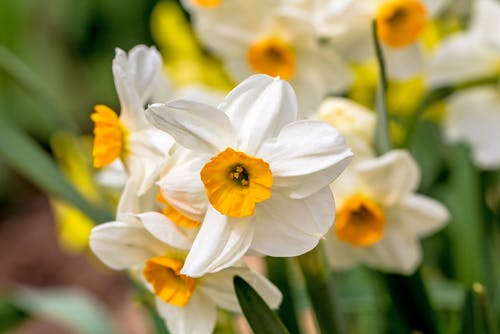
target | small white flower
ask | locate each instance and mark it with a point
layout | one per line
(379, 217)
(265, 175)
(130, 137)
(275, 38)
(471, 54)
(473, 115)
(188, 305)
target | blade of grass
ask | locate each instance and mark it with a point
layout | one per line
(26, 157)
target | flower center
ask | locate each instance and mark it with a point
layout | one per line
(360, 222)
(207, 3)
(175, 216)
(168, 283)
(400, 22)
(109, 136)
(272, 56)
(235, 182)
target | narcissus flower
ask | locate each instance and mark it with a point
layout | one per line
(187, 304)
(276, 38)
(379, 217)
(265, 175)
(473, 115)
(130, 137)
(347, 27)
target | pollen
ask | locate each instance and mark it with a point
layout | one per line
(235, 182)
(360, 221)
(168, 283)
(272, 56)
(175, 216)
(108, 136)
(207, 3)
(400, 22)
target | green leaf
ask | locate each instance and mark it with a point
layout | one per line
(260, 317)
(278, 273)
(25, 156)
(477, 315)
(11, 316)
(71, 307)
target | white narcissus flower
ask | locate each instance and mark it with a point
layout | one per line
(379, 217)
(473, 115)
(275, 38)
(130, 137)
(266, 175)
(346, 25)
(188, 305)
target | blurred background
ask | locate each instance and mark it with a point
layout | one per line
(55, 65)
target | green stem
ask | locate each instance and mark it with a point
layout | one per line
(382, 133)
(321, 291)
(477, 315)
(278, 273)
(436, 95)
(411, 302)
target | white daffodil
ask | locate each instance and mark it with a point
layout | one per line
(130, 136)
(473, 115)
(354, 121)
(471, 54)
(265, 175)
(379, 217)
(275, 38)
(346, 25)
(188, 305)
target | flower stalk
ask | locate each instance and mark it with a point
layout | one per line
(320, 288)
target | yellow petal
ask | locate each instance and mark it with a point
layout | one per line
(235, 182)
(168, 284)
(360, 221)
(400, 22)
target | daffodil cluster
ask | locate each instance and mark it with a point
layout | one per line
(279, 165)
(206, 185)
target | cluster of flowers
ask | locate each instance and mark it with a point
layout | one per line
(211, 179)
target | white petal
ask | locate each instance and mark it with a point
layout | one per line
(131, 201)
(258, 108)
(198, 316)
(397, 252)
(390, 177)
(135, 77)
(340, 255)
(164, 230)
(219, 287)
(305, 157)
(182, 187)
(474, 117)
(461, 57)
(145, 66)
(485, 21)
(121, 245)
(403, 63)
(422, 215)
(288, 227)
(314, 80)
(220, 243)
(194, 125)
